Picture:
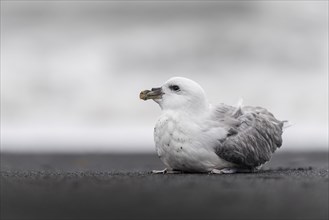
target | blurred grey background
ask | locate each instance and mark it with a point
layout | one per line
(71, 72)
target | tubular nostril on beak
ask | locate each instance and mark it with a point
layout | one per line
(155, 89)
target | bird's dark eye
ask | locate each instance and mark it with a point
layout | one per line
(174, 87)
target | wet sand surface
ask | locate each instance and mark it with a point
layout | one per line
(120, 186)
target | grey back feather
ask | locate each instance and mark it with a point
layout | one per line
(253, 134)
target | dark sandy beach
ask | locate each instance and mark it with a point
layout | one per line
(108, 186)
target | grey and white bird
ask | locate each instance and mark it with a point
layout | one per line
(192, 135)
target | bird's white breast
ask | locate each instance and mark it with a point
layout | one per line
(182, 145)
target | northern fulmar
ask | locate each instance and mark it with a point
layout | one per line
(192, 135)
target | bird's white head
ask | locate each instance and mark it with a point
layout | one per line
(178, 94)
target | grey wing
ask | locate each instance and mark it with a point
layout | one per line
(253, 135)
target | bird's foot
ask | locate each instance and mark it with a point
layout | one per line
(223, 171)
(160, 171)
(232, 170)
(164, 171)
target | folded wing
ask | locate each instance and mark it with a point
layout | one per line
(253, 135)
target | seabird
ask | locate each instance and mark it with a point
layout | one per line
(192, 135)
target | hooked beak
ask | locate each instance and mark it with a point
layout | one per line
(155, 93)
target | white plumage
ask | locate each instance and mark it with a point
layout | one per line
(193, 136)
